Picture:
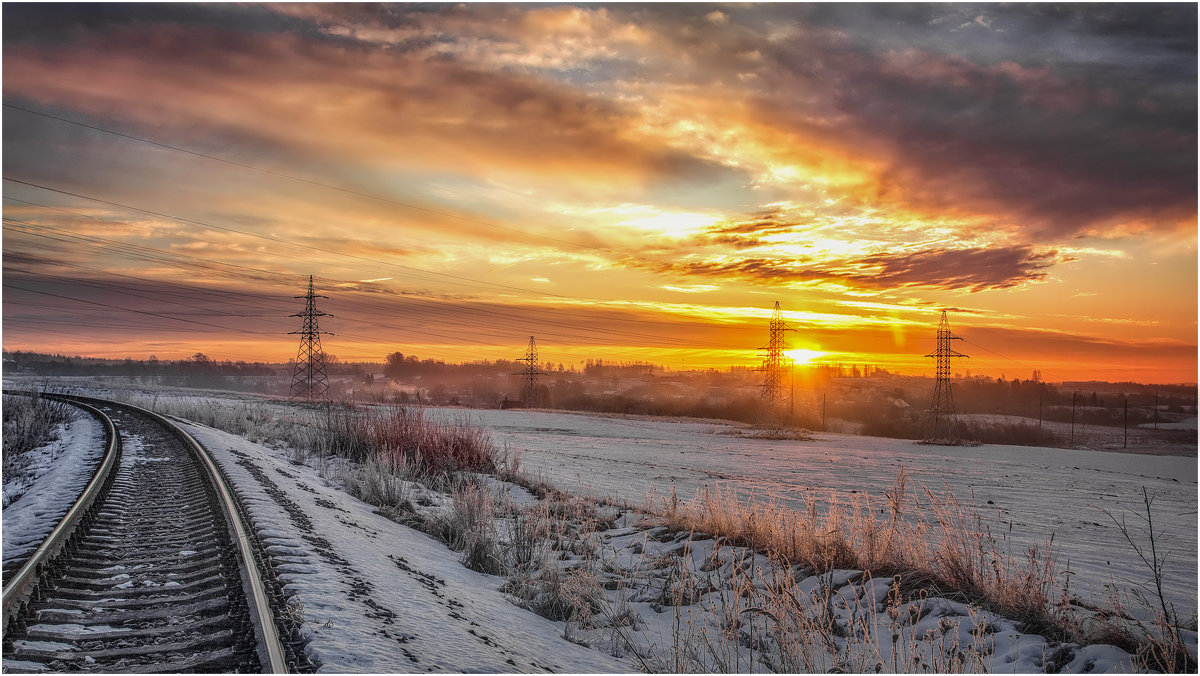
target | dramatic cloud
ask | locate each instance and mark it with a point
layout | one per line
(951, 269)
(863, 163)
(322, 98)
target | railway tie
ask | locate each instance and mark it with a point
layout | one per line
(153, 580)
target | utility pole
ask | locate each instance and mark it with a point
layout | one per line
(792, 396)
(309, 377)
(1126, 444)
(531, 372)
(772, 368)
(1072, 443)
(1039, 415)
(942, 407)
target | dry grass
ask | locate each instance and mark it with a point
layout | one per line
(470, 527)
(933, 544)
(930, 538)
(929, 542)
(391, 433)
(29, 422)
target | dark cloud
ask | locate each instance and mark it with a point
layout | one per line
(298, 95)
(973, 269)
(1056, 120)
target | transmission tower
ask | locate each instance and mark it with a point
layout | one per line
(531, 372)
(942, 409)
(309, 378)
(773, 366)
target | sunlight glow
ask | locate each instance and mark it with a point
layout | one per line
(803, 356)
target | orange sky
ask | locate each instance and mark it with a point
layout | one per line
(627, 182)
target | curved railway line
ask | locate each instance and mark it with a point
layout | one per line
(153, 568)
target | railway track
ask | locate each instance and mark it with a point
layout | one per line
(151, 570)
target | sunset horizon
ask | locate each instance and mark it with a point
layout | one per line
(625, 182)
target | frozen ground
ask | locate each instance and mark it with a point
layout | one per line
(1041, 491)
(1138, 439)
(380, 597)
(36, 498)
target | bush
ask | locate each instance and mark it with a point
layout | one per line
(402, 435)
(932, 537)
(29, 422)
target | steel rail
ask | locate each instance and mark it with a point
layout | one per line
(22, 585)
(271, 652)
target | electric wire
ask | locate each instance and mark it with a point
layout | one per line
(460, 280)
(509, 312)
(299, 179)
(435, 307)
(126, 309)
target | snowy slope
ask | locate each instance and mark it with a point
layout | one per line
(39, 497)
(377, 596)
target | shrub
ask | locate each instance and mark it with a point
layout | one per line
(470, 527)
(29, 422)
(403, 434)
(936, 539)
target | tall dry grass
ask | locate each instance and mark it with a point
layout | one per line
(930, 539)
(29, 422)
(403, 434)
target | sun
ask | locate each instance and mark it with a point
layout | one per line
(803, 356)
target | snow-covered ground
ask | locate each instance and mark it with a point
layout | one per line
(1041, 491)
(38, 497)
(377, 596)
(380, 597)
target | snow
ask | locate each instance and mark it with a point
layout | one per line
(1041, 491)
(57, 474)
(379, 597)
(376, 596)
(1188, 424)
(729, 586)
(77, 629)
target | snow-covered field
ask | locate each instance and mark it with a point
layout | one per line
(1041, 491)
(377, 596)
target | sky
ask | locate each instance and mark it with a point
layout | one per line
(628, 182)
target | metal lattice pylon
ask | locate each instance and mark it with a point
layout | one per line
(531, 372)
(309, 380)
(772, 367)
(941, 411)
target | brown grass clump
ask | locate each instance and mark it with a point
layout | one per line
(920, 535)
(392, 433)
(29, 422)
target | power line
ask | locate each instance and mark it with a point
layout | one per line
(1015, 361)
(409, 297)
(140, 312)
(280, 240)
(240, 273)
(109, 287)
(508, 314)
(299, 179)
